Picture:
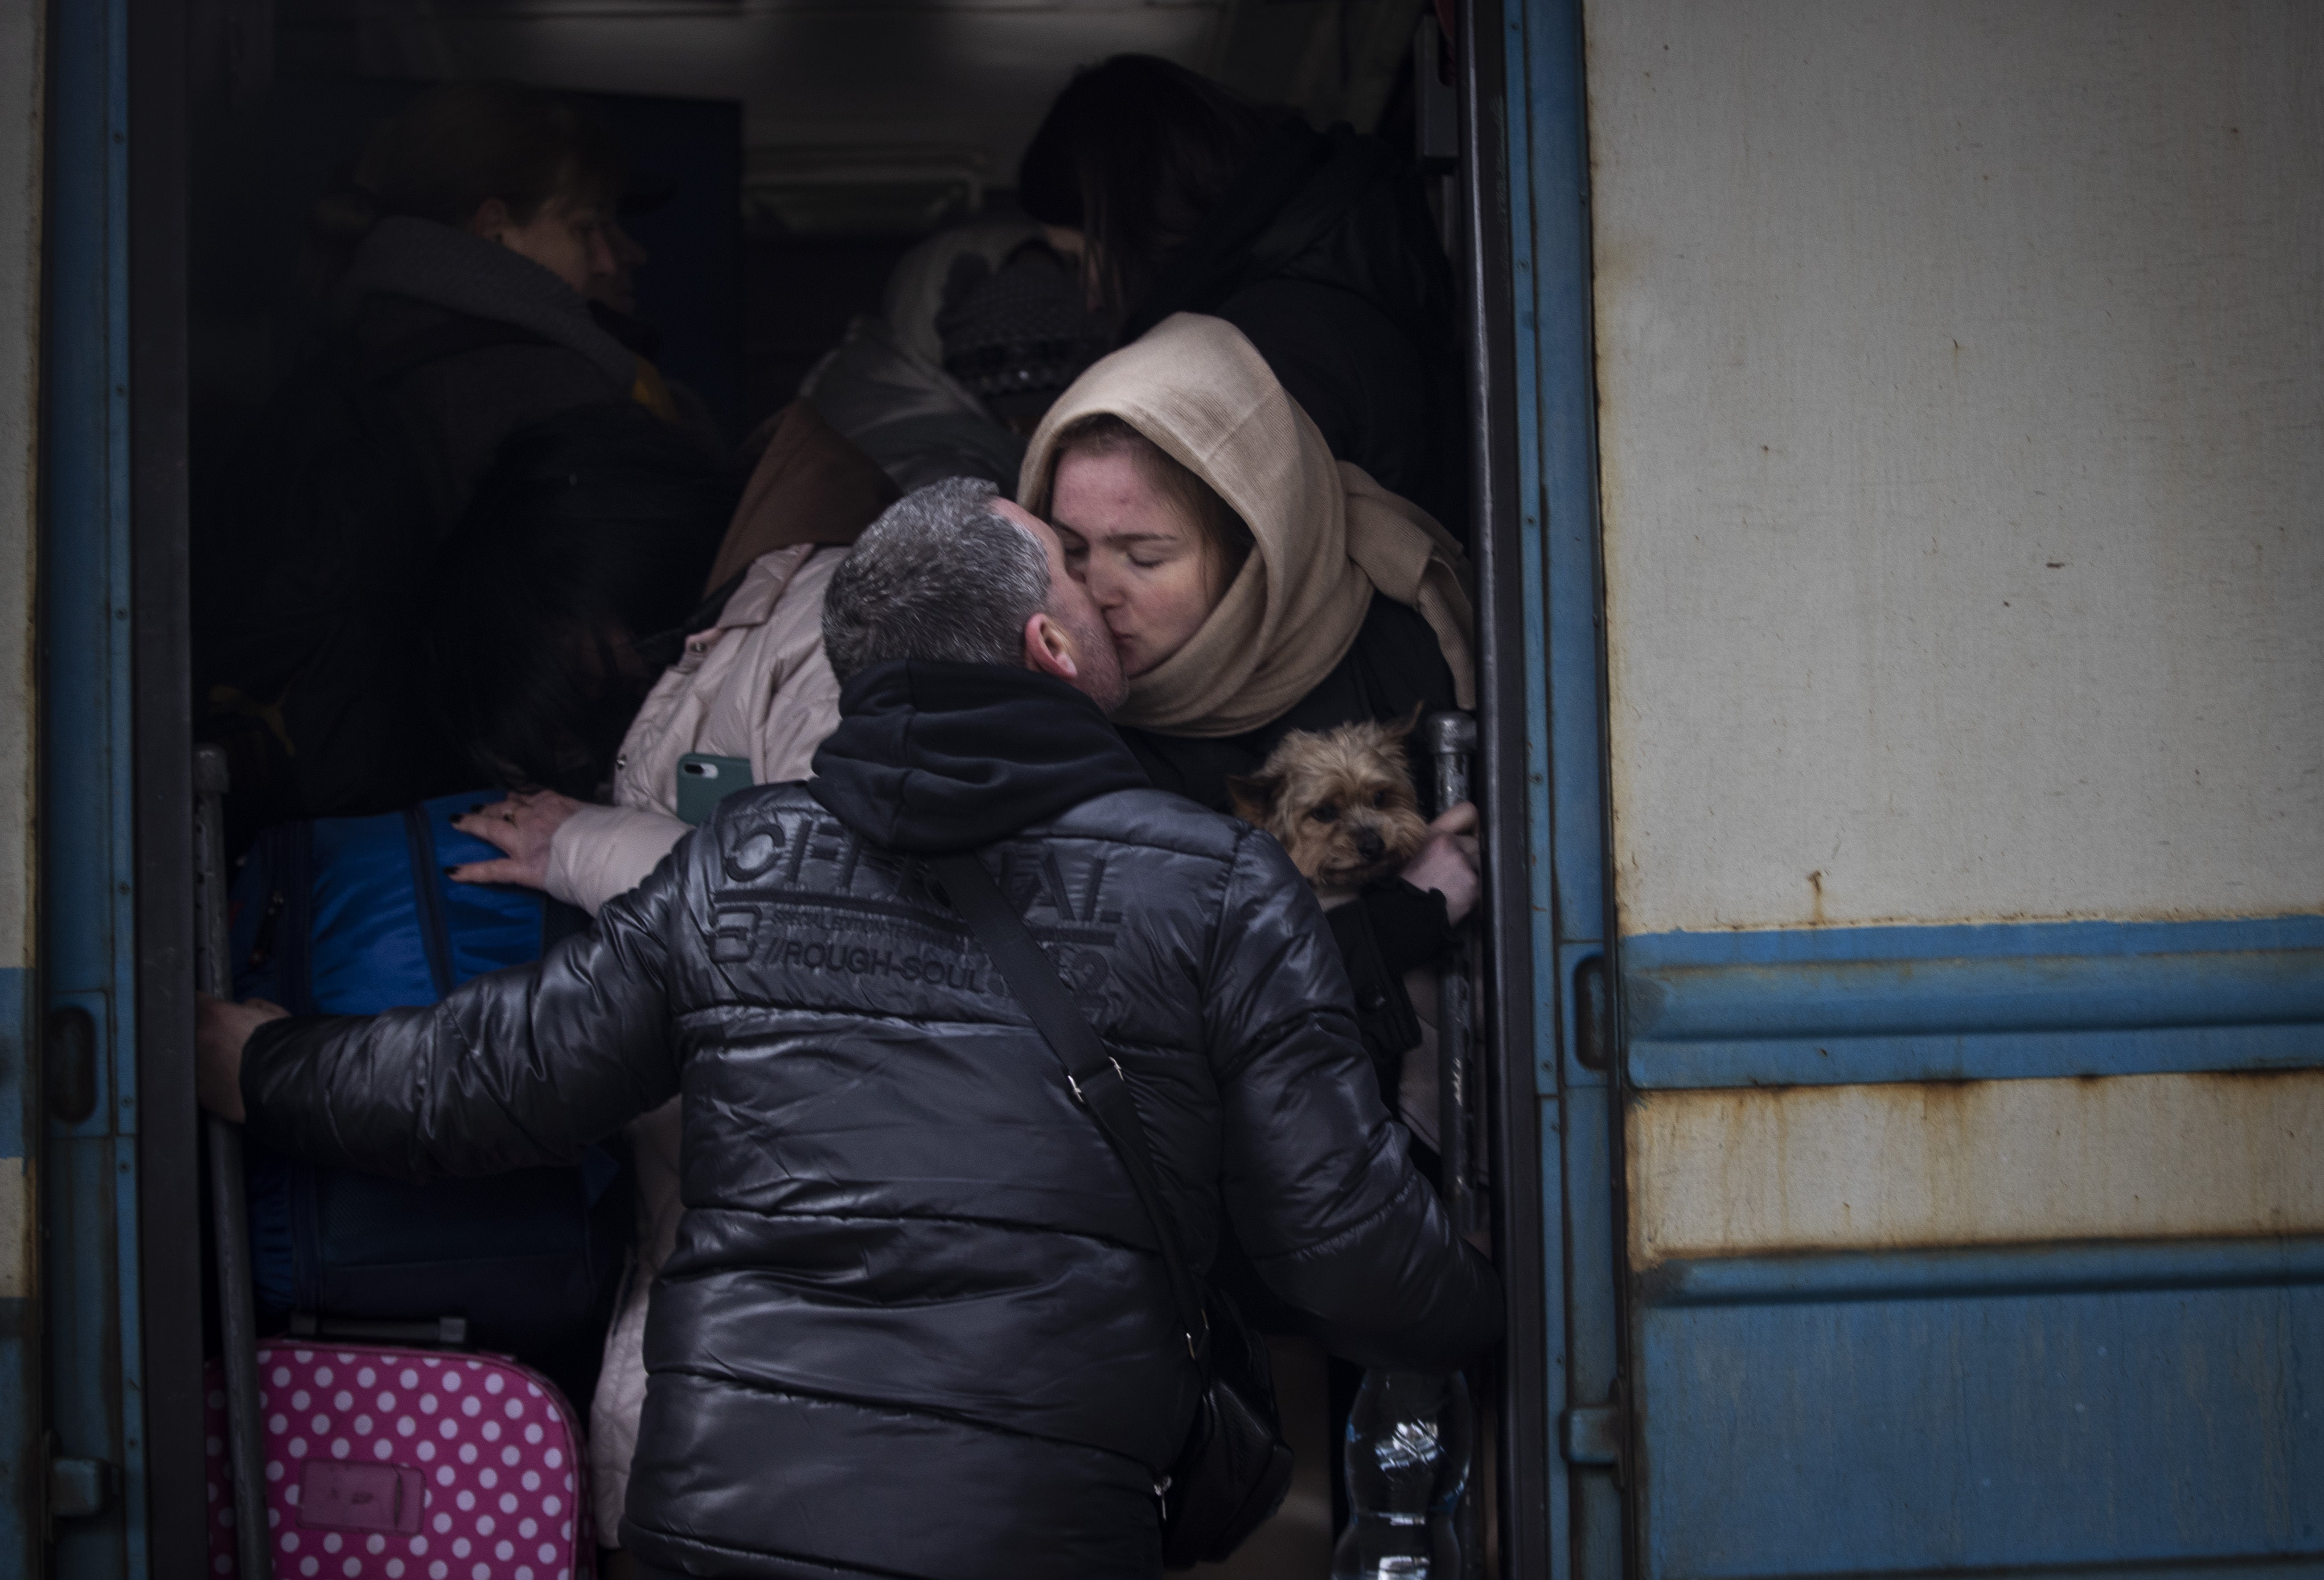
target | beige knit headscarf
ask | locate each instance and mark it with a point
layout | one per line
(1327, 537)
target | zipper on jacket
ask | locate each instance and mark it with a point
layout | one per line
(435, 933)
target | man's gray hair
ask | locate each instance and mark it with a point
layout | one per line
(939, 576)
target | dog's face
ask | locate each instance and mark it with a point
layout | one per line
(1341, 803)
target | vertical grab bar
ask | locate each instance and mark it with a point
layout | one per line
(1451, 738)
(238, 1321)
(1467, 1188)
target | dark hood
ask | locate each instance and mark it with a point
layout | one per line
(934, 758)
(1329, 208)
(450, 269)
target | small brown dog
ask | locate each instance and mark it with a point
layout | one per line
(1341, 803)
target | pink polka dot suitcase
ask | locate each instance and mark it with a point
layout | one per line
(402, 1465)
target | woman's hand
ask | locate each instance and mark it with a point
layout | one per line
(520, 828)
(220, 1029)
(1448, 862)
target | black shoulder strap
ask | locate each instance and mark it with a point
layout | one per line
(1095, 1078)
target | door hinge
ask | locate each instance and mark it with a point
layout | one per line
(1594, 1435)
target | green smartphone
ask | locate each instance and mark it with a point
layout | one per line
(704, 781)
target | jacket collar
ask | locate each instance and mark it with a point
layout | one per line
(459, 272)
(935, 758)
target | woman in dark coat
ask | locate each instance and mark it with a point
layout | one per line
(1317, 245)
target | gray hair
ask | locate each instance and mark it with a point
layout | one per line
(939, 576)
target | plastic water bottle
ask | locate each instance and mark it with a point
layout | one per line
(1407, 1461)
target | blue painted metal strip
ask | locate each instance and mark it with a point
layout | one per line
(89, 929)
(1568, 429)
(1969, 940)
(1949, 1274)
(1534, 669)
(2089, 1429)
(1558, 498)
(1974, 1003)
(1532, 558)
(1833, 1061)
(17, 1025)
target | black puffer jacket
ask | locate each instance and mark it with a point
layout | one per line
(1323, 253)
(917, 1324)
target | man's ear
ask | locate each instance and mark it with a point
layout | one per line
(1048, 649)
(1253, 796)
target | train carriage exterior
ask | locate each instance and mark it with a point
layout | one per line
(1899, 519)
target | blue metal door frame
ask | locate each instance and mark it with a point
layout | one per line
(88, 932)
(1566, 804)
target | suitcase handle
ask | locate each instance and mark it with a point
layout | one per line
(445, 1333)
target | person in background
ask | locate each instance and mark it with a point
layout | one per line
(1178, 197)
(458, 257)
(917, 1323)
(983, 325)
(1015, 335)
(487, 203)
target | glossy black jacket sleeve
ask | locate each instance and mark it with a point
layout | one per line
(522, 1069)
(1318, 1180)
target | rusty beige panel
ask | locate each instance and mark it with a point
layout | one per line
(1738, 1172)
(21, 56)
(1961, 423)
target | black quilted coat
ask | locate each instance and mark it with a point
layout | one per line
(917, 1324)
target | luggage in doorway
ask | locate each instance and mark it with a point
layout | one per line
(386, 1463)
(352, 916)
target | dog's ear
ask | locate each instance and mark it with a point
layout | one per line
(1402, 727)
(1253, 796)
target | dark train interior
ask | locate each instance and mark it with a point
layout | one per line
(784, 156)
(792, 151)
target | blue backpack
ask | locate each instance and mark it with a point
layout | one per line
(350, 916)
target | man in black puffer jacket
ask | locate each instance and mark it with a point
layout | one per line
(917, 1322)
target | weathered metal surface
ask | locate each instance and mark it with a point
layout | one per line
(2153, 1411)
(1741, 1172)
(1962, 413)
(1830, 1006)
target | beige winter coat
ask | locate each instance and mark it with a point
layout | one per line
(754, 685)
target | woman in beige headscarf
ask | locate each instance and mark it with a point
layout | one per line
(1254, 585)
